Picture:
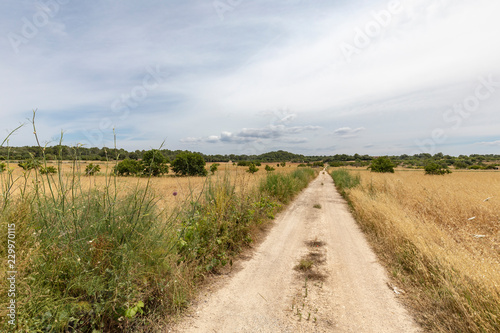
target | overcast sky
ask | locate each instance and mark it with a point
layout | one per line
(252, 76)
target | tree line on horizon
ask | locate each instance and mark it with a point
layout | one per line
(63, 152)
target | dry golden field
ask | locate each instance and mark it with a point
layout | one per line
(440, 237)
(186, 188)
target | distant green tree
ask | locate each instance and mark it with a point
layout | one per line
(3, 166)
(460, 165)
(47, 170)
(491, 167)
(438, 156)
(269, 168)
(336, 164)
(214, 167)
(283, 164)
(189, 164)
(252, 169)
(30, 164)
(129, 167)
(382, 164)
(436, 169)
(92, 169)
(133, 155)
(155, 164)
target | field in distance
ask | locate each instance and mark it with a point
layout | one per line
(163, 187)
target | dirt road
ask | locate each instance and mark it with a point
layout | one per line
(314, 273)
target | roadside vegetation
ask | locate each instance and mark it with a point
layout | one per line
(439, 239)
(382, 164)
(107, 257)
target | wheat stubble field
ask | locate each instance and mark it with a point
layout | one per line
(439, 237)
(163, 188)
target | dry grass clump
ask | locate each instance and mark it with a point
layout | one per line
(309, 265)
(304, 265)
(440, 237)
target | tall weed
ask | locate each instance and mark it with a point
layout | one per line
(284, 187)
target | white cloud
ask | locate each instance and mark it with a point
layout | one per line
(347, 132)
(245, 135)
(491, 143)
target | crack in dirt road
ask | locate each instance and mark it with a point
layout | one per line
(313, 273)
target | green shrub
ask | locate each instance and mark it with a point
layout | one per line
(214, 167)
(129, 167)
(337, 164)
(460, 165)
(155, 164)
(382, 164)
(29, 165)
(269, 168)
(48, 170)
(189, 164)
(252, 169)
(3, 166)
(92, 169)
(436, 169)
(491, 167)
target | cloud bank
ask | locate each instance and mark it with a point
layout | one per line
(272, 75)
